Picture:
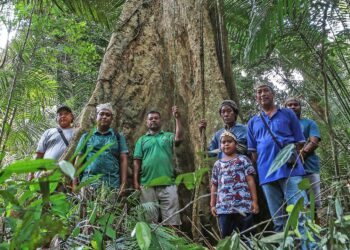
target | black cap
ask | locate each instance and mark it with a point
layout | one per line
(64, 107)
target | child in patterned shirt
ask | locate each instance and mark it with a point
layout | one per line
(233, 192)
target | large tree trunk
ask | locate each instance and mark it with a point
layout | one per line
(153, 61)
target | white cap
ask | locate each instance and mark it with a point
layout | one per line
(102, 106)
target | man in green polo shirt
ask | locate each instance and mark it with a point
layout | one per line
(153, 157)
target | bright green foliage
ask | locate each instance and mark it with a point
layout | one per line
(143, 235)
(53, 59)
(193, 179)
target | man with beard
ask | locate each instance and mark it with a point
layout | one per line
(153, 157)
(311, 160)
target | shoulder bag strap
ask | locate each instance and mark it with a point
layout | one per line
(62, 136)
(268, 129)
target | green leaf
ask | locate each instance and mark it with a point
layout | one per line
(289, 208)
(4, 176)
(28, 166)
(293, 217)
(163, 180)
(97, 238)
(274, 238)
(103, 220)
(188, 180)
(339, 209)
(9, 197)
(143, 235)
(75, 232)
(93, 215)
(281, 159)
(316, 229)
(229, 243)
(304, 184)
(191, 179)
(2, 155)
(110, 232)
(67, 168)
(89, 181)
(45, 190)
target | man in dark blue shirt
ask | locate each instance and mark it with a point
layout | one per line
(282, 185)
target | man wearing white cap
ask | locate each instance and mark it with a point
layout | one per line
(111, 163)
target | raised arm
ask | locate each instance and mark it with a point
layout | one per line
(178, 130)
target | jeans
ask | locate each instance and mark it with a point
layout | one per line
(277, 193)
(237, 222)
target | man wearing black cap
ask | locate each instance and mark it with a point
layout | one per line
(54, 141)
(228, 111)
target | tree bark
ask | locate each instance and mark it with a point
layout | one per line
(153, 61)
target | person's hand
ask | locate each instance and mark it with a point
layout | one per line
(137, 186)
(202, 125)
(213, 211)
(255, 208)
(176, 112)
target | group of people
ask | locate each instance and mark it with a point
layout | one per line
(246, 150)
(242, 152)
(153, 158)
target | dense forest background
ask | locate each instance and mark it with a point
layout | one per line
(58, 51)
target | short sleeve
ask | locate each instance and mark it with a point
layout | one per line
(314, 130)
(215, 173)
(42, 144)
(248, 167)
(250, 136)
(123, 146)
(138, 154)
(171, 137)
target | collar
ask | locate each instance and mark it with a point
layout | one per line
(278, 108)
(229, 128)
(109, 131)
(160, 132)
